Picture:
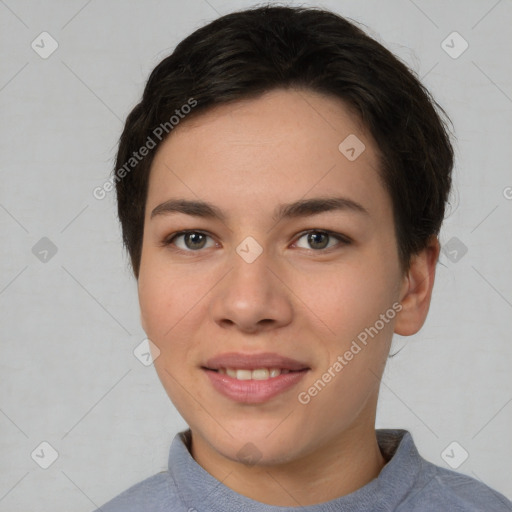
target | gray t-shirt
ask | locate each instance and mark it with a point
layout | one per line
(407, 483)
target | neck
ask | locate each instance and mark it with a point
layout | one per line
(338, 467)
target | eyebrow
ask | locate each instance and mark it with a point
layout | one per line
(300, 208)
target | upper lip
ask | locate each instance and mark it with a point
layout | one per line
(253, 361)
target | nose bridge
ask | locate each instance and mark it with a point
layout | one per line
(250, 277)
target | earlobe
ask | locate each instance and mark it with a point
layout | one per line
(416, 290)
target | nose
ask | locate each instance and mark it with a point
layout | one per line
(251, 297)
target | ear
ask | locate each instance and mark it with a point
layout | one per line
(416, 290)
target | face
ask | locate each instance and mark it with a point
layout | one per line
(290, 261)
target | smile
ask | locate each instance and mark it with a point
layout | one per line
(253, 378)
(257, 374)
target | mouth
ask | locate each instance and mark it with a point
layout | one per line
(256, 374)
(253, 378)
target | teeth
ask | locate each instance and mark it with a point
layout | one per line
(243, 374)
(257, 374)
(260, 374)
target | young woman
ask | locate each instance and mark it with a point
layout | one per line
(280, 187)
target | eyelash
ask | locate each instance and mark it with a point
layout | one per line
(342, 239)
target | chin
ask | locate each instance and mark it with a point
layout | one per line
(250, 444)
(262, 452)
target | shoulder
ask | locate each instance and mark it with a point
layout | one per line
(157, 493)
(413, 484)
(443, 489)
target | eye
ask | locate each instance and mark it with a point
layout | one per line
(189, 241)
(194, 241)
(319, 239)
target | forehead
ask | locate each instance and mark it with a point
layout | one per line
(281, 146)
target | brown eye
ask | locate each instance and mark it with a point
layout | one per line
(318, 240)
(189, 241)
(195, 240)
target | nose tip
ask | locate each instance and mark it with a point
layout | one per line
(250, 297)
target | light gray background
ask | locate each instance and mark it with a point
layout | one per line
(69, 325)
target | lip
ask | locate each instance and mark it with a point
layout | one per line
(253, 391)
(253, 361)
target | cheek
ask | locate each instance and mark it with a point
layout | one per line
(156, 305)
(357, 344)
(173, 301)
(348, 298)
(168, 302)
(166, 294)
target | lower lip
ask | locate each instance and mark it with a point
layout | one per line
(253, 391)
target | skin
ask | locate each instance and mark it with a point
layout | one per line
(294, 299)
